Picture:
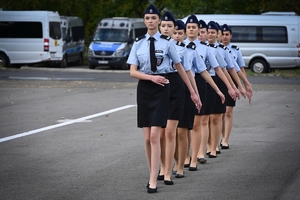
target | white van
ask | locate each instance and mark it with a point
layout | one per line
(267, 41)
(112, 41)
(29, 37)
(73, 40)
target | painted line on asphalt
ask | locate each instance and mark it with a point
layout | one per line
(48, 78)
(64, 123)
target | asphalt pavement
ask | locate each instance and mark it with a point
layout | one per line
(78, 139)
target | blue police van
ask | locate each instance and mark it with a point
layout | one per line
(112, 41)
(72, 28)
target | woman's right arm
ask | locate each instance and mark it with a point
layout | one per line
(135, 73)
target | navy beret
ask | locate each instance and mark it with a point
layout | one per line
(180, 25)
(168, 16)
(202, 24)
(212, 25)
(219, 27)
(192, 19)
(225, 27)
(151, 9)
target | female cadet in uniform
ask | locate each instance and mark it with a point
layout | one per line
(198, 67)
(201, 119)
(153, 86)
(219, 108)
(238, 59)
(176, 104)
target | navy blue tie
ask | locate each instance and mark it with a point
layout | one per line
(152, 54)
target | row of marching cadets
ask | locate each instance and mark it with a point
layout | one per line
(188, 83)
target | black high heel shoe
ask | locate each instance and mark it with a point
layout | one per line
(152, 190)
(188, 165)
(168, 182)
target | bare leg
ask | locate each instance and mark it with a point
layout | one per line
(152, 141)
(175, 167)
(170, 133)
(182, 147)
(228, 125)
(223, 124)
(188, 157)
(208, 150)
(204, 135)
(215, 128)
(195, 140)
(163, 152)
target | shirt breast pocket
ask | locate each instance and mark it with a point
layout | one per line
(144, 58)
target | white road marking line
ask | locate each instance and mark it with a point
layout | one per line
(64, 123)
(66, 120)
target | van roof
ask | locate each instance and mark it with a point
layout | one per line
(248, 19)
(280, 13)
(118, 22)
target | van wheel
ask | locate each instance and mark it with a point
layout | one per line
(92, 66)
(259, 66)
(64, 62)
(79, 61)
(3, 60)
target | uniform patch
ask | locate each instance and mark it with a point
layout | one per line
(139, 38)
(235, 47)
(222, 46)
(180, 44)
(165, 37)
(212, 45)
(191, 45)
(159, 59)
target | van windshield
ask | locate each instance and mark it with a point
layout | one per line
(111, 35)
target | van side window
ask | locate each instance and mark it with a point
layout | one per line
(140, 31)
(274, 34)
(21, 30)
(77, 33)
(55, 32)
(259, 34)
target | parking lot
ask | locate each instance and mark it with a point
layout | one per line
(79, 140)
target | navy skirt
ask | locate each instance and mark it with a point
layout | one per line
(202, 90)
(218, 106)
(177, 93)
(152, 103)
(187, 120)
(211, 98)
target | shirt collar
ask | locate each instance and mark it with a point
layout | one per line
(156, 35)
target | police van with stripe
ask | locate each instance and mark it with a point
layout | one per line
(112, 41)
(72, 28)
(267, 41)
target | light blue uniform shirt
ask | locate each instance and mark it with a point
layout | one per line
(237, 55)
(165, 51)
(204, 52)
(182, 53)
(219, 57)
(197, 63)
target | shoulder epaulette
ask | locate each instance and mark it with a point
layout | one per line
(222, 46)
(212, 45)
(191, 45)
(165, 37)
(180, 44)
(235, 47)
(203, 43)
(139, 38)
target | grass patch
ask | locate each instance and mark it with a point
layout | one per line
(277, 72)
